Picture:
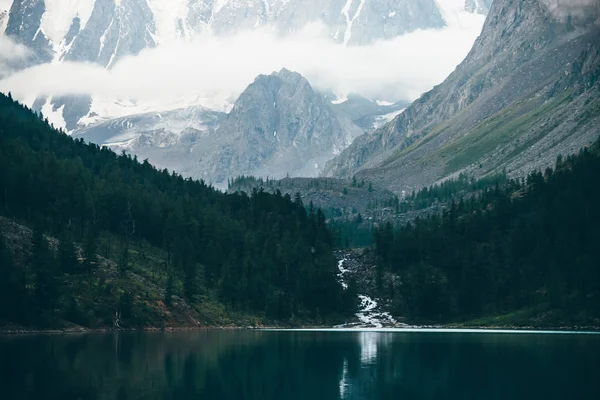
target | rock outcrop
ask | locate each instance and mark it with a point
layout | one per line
(527, 91)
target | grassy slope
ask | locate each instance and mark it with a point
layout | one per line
(499, 130)
(93, 296)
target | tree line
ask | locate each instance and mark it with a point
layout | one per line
(522, 243)
(259, 252)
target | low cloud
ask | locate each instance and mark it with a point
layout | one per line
(11, 55)
(574, 8)
(219, 68)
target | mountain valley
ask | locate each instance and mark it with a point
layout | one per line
(105, 32)
(297, 204)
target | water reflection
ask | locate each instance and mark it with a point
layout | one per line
(370, 341)
(344, 384)
(299, 365)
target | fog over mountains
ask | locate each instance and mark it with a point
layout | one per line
(104, 31)
(158, 78)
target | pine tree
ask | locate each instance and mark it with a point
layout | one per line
(124, 265)
(187, 263)
(9, 285)
(169, 289)
(67, 257)
(46, 277)
(89, 250)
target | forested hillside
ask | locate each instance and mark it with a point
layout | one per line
(527, 247)
(259, 253)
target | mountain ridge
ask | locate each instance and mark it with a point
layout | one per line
(104, 31)
(414, 150)
(279, 126)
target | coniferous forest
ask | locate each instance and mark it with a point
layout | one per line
(529, 245)
(257, 253)
(115, 242)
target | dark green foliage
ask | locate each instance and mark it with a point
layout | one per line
(47, 273)
(89, 250)
(12, 288)
(451, 189)
(185, 260)
(350, 298)
(67, 258)
(126, 303)
(124, 258)
(254, 250)
(169, 290)
(516, 245)
(351, 232)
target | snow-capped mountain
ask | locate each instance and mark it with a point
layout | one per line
(4, 9)
(366, 114)
(278, 126)
(167, 139)
(180, 133)
(104, 31)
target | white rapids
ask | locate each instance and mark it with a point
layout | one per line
(370, 317)
(369, 314)
(342, 272)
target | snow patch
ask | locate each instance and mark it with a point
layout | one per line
(267, 7)
(340, 99)
(6, 4)
(167, 14)
(3, 21)
(350, 21)
(4, 11)
(59, 15)
(114, 54)
(219, 4)
(54, 117)
(122, 145)
(456, 16)
(384, 119)
(103, 108)
(103, 37)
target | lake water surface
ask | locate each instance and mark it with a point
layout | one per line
(259, 365)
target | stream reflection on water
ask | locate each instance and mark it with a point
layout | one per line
(216, 364)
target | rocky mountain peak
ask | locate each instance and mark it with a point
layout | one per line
(104, 31)
(286, 74)
(279, 126)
